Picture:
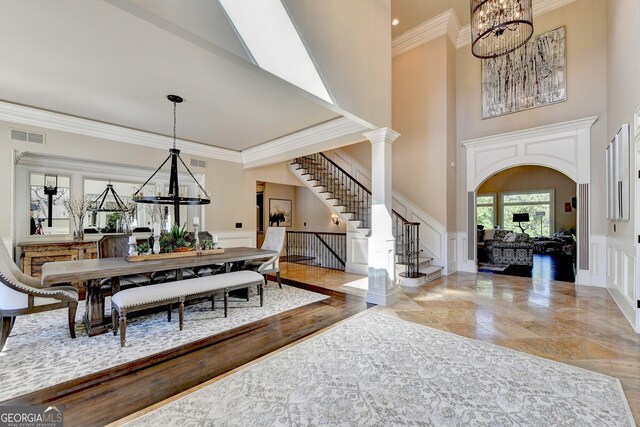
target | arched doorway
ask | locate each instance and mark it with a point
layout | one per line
(540, 199)
(565, 147)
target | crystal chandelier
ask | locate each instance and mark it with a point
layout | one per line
(499, 26)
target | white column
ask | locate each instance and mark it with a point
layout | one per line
(383, 289)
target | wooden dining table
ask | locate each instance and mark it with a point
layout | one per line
(92, 270)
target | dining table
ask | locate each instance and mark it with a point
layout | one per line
(92, 270)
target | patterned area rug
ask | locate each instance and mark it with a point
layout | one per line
(377, 370)
(493, 267)
(39, 353)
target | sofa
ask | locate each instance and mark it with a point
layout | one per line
(508, 248)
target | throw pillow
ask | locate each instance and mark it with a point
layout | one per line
(510, 237)
(488, 234)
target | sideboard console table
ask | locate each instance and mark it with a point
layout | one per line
(33, 255)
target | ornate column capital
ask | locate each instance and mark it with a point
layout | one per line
(381, 135)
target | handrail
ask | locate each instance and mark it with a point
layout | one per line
(340, 260)
(356, 199)
(346, 173)
(317, 248)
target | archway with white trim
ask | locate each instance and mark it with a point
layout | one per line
(565, 147)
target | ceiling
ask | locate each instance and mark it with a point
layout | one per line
(115, 61)
(414, 12)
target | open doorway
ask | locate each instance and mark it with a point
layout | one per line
(526, 223)
(259, 213)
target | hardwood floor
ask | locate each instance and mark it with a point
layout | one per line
(545, 267)
(106, 397)
(552, 319)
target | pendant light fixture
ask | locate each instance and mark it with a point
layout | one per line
(499, 26)
(176, 195)
(102, 204)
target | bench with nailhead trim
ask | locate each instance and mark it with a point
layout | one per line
(169, 293)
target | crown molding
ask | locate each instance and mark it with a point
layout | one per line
(539, 7)
(571, 126)
(444, 24)
(322, 132)
(447, 23)
(61, 122)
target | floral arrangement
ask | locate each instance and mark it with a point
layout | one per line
(129, 215)
(77, 210)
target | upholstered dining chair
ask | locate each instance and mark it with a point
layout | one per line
(21, 294)
(274, 241)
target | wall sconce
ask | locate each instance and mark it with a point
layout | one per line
(50, 189)
(335, 219)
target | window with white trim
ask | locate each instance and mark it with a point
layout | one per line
(537, 203)
(486, 210)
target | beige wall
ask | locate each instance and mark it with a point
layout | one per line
(232, 189)
(350, 42)
(360, 152)
(451, 138)
(278, 191)
(312, 214)
(586, 45)
(623, 84)
(536, 178)
(421, 82)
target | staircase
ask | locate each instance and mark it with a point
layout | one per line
(351, 201)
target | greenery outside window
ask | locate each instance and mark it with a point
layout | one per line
(537, 203)
(486, 210)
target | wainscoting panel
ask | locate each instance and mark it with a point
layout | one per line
(230, 239)
(452, 253)
(621, 259)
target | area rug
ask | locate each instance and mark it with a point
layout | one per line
(376, 370)
(493, 267)
(39, 353)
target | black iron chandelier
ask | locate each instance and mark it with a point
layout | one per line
(102, 204)
(176, 196)
(499, 26)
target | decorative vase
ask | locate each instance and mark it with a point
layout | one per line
(78, 233)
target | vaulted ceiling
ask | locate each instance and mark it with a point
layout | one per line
(115, 61)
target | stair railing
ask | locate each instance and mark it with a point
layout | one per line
(348, 192)
(326, 250)
(407, 235)
(356, 199)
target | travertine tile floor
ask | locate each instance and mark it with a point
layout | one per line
(572, 324)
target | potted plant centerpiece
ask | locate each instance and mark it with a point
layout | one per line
(175, 240)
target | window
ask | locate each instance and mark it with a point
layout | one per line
(39, 206)
(537, 203)
(486, 210)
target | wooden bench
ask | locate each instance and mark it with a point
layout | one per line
(169, 293)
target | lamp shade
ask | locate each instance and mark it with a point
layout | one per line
(520, 217)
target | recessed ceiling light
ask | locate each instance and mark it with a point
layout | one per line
(395, 22)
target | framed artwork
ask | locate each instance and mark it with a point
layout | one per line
(280, 213)
(529, 77)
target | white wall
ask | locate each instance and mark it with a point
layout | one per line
(623, 99)
(350, 43)
(586, 54)
(232, 188)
